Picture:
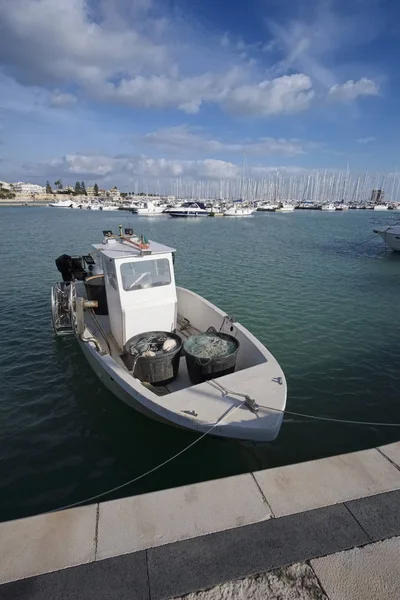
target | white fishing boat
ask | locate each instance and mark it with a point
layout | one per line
(390, 235)
(238, 209)
(381, 207)
(131, 321)
(328, 207)
(189, 209)
(149, 209)
(63, 204)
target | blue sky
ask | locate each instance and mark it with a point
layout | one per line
(119, 90)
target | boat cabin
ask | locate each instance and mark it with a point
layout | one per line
(139, 284)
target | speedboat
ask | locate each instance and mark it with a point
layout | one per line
(137, 329)
(390, 235)
(63, 204)
(189, 209)
(149, 209)
(267, 207)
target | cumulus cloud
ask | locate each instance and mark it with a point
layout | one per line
(350, 90)
(290, 93)
(117, 57)
(185, 139)
(366, 140)
(60, 99)
(127, 169)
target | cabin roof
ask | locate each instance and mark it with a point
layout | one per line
(115, 248)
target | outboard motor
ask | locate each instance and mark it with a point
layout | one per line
(70, 268)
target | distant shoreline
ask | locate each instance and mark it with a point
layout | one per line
(24, 203)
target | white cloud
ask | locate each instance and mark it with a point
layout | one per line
(315, 46)
(60, 99)
(186, 139)
(127, 169)
(46, 41)
(366, 140)
(350, 90)
(123, 55)
(287, 94)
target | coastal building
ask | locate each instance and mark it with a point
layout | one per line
(90, 190)
(114, 192)
(23, 188)
(5, 186)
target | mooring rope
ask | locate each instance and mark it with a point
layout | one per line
(230, 412)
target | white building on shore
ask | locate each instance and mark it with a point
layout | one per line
(27, 189)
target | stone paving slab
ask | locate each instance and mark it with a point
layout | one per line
(369, 573)
(327, 481)
(47, 542)
(203, 562)
(132, 524)
(392, 451)
(297, 582)
(122, 578)
(379, 515)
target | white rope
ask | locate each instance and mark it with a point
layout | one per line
(119, 487)
(331, 419)
(225, 391)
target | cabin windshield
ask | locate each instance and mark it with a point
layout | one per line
(145, 274)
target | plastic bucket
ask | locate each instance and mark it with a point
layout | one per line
(201, 369)
(96, 290)
(160, 369)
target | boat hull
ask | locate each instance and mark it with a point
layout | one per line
(259, 369)
(188, 215)
(391, 239)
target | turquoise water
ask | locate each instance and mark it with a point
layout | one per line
(312, 286)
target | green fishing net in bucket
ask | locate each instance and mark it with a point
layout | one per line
(210, 345)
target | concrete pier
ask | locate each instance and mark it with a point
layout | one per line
(327, 528)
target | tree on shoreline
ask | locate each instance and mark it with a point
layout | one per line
(77, 190)
(96, 189)
(48, 188)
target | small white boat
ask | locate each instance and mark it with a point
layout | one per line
(108, 207)
(390, 235)
(63, 204)
(329, 207)
(267, 207)
(286, 207)
(189, 209)
(238, 210)
(149, 209)
(136, 297)
(381, 207)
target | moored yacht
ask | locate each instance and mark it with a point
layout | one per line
(189, 209)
